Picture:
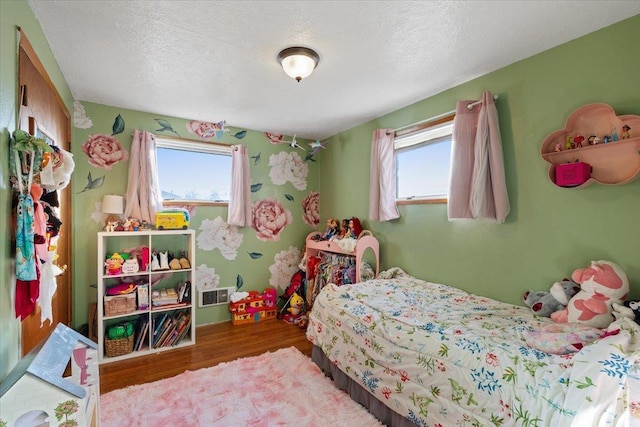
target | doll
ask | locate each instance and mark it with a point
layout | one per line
(354, 227)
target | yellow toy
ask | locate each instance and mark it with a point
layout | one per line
(296, 304)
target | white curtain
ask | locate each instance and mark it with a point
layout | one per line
(240, 199)
(477, 186)
(382, 180)
(144, 197)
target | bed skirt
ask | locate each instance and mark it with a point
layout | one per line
(358, 393)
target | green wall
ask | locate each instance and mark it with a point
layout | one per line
(254, 271)
(13, 14)
(550, 231)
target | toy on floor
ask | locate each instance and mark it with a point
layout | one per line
(602, 284)
(545, 303)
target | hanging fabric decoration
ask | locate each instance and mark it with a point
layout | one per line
(27, 154)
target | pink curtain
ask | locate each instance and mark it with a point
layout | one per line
(144, 197)
(477, 188)
(240, 200)
(382, 180)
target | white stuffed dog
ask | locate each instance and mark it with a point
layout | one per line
(602, 284)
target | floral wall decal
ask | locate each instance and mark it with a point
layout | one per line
(311, 209)
(104, 151)
(206, 277)
(275, 138)
(288, 166)
(269, 218)
(206, 130)
(218, 234)
(256, 187)
(80, 119)
(255, 255)
(284, 266)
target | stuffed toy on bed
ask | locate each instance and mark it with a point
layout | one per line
(545, 303)
(602, 284)
(630, 309)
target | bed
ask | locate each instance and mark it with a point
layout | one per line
(415, 352)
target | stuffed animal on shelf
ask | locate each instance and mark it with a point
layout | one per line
(545, 303)
(602, 284)
(630, 309)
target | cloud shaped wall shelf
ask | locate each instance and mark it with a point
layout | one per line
(615, 162)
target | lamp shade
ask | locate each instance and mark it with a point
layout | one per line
(112, 204)
(298, 62)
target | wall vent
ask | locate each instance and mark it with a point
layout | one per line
(217, 296)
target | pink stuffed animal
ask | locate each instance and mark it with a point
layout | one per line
(602, 284)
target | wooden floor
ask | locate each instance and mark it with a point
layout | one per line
(217, 343)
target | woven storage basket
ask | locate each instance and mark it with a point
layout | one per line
(119, 304)
(118, 347)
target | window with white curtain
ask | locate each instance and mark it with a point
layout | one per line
(193, 171)
(423, 163)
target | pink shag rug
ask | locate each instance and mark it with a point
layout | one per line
(283, 388)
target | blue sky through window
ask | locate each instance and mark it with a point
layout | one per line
(193, 175)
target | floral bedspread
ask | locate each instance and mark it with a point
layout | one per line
(443, 357)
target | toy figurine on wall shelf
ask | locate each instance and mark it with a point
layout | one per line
(606, 139)
(558, 147)
(625, 132)
(614, 134)
(568, 143)
(578, 141)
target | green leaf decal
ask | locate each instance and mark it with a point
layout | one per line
(289, 197)
(166, 126)
(255, 255)
(239, 282)
(118, 125)
(256, 159)
(256, 187)
(240, 135)
(92, 184)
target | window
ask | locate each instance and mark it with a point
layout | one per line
(423, 161)
(193, 171)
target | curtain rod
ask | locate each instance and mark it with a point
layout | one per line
(439, 116)
(173, 138)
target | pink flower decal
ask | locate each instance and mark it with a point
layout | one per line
(274, 138)
(269, 218)
(311, 209)
(206, 130)
(104, 151)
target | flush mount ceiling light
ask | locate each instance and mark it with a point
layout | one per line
(298, 62)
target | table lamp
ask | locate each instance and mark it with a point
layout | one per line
(113, 206)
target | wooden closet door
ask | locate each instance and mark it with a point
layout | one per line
(43, 108)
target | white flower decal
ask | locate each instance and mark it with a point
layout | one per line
(288, 166)
(97, 215)
(80, 119)
(284, 267)
(206, 277)
(218, 234)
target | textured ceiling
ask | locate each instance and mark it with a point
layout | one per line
(216, 60)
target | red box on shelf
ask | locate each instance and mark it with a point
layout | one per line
(572, 174)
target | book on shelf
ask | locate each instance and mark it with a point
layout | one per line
(141, 333)
(172, 330)
(164, 297)
(166, 330)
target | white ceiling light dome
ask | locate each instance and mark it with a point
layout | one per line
(298, 62)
